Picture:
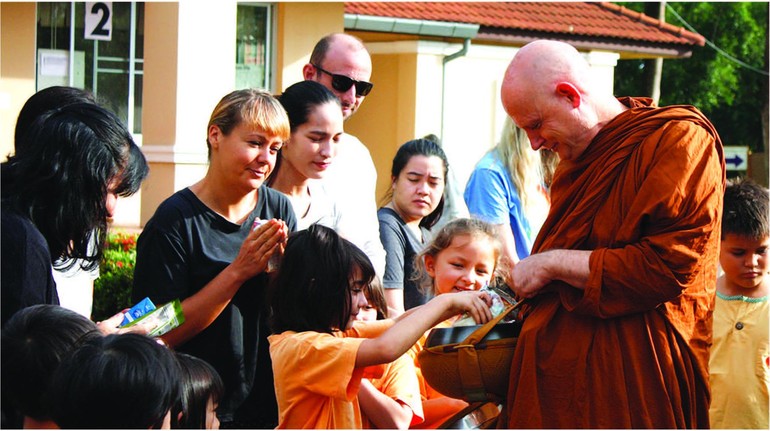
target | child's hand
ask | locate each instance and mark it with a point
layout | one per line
(475, 303)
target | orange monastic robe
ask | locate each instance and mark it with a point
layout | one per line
(632, 349)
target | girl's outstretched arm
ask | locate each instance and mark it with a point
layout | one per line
(410, 327)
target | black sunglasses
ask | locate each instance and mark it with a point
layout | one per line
(343, 83)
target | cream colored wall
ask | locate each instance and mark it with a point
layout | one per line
(473, 115)
(299, 26)
(189, 58)
(386, 118)
(188, 66)
(603, 64)
(17, 66)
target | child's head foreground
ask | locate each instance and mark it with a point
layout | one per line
(34, 341)
(201, 391)
(463, 255)
(745, 239)
(320, 285)
(117, 381)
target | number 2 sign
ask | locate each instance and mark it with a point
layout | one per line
(98, 21)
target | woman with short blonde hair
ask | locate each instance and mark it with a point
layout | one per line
(202, 247)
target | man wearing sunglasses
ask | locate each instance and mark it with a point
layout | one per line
(342, 64)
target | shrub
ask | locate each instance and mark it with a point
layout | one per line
(112, 290)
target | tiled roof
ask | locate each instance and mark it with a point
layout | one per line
(605, 21)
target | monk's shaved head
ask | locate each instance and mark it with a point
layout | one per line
(550, 92)
(539, 66)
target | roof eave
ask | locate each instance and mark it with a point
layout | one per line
(626, 47)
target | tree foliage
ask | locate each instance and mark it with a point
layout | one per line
(732, 96)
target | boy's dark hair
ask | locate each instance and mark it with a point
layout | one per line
(60, 178)
(117, 381)
(311, 291)
(745, 211)
(34, 341)
(199, 381)
(428, 147)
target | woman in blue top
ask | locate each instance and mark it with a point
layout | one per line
(506, 189)
(200, 247)
(415, 204)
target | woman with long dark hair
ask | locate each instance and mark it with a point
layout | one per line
(416, 202)
(59, 190)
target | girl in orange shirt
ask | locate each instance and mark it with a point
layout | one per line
(315, 296)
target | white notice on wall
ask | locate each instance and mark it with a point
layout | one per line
(53, 63)
(98, 25)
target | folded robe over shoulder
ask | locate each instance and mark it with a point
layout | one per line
(631, 350)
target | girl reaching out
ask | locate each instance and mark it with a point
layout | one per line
(319, 357)
(462, 256)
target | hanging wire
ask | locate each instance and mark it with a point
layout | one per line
(716, 48)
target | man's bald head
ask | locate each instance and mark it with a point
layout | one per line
(340, 54)
(539, 66)
(336, 41)
(548, 90)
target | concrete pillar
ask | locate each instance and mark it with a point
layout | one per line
(300, 26)
(189, 65)
(17, 66)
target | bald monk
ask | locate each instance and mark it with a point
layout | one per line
(620, 284)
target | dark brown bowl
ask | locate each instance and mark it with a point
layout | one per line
(456, 334)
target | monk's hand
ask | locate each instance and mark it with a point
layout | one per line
(533, 275)
(530, 275)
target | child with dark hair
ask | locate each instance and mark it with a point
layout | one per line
(319, 357)
(201, 390)
(34, 342)
(739, 365)
(118, 381)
